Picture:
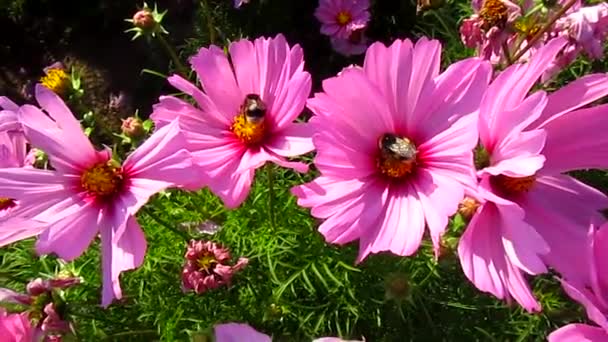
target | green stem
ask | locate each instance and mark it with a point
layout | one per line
(542, 31)
(178, 63)
(271, 198)
(165, 224)
(209, 20)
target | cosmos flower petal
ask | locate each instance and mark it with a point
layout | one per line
(577, 141)
(532, 71)
(21, 183)
(210, 112)
(17, 327)
(574, 95)
(329, 190)
(295, 139)
(18, 229)
(560, 209)
(45, 134)
(464, 82)
(425, 67)
(439, 196)
(162, 157)
(484, 262)
(494, 129)
(236, 332)
(65, 120)
(216, 76)
(7, 104)
(578, 333)
(125, 254)
(519, 156)
(169, 108)
(346, 160)
(291, 99)
(390, 68)
(391, 237)
(586, 298)
(368, 115)
(70, 236)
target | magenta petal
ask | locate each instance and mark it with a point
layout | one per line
(45, 134)
(293, 140)
(574, 95)
(125, 254)
(7, 104)
(18, 229)
(401, 234)
(238, 332)
(578, 333)
(216, 76)
(484, 262)
(162, 157)
(211, 113)
(588, 150)
(70, 236)
(588, 300)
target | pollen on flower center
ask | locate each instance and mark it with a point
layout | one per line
(494, 13)
(6, 203)
(396, 157)
(56, 80)
(102, 179)
(513, 185)
(250, 124)
(205, 262)
(343, 18)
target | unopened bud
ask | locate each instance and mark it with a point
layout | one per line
(133, 127)
(467, 207)
(144, 19)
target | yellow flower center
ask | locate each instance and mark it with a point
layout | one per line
(250, 124)
(513, 185)
(103, 179)
(6, 203)
(397, 156)
(343, 18)
(206, 261)
(56, 80)
(494, 13)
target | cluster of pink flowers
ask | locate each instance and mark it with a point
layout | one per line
(207, 267)
(345, 22)
(499, 29)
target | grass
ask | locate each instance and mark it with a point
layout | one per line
(296, 287)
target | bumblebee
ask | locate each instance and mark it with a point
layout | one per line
(253, 108)
(394, 147)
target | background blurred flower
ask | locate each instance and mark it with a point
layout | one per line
(339, 18)
(16, 328)
(355, 44)
(239, 3)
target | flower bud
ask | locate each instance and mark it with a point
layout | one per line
(467, 207)
(133, 127)
(144, 19)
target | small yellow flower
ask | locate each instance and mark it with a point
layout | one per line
(56, 80)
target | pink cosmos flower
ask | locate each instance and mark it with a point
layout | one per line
(246, 112)
(593, 296)
(207, 266)
(237, 332)
(355, 44)
(339, 18)
(532, 215)
(87, 192)
(394, 158)
(16, 328)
